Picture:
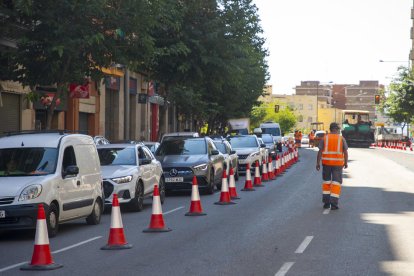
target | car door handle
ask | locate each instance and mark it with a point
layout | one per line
(78, 183)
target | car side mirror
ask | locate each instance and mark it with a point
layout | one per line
(262, 145)
(215, 152)
(233, 152)
(70, 170)
(144, 161)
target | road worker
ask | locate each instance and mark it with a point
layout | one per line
(297, 139)
(311, 139)
(333, 151)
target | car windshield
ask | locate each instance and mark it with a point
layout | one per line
(27, 161)
(267, 139)
(243, 142)
(221, 147)
(117, 156)
(182, 146)
(273, 131)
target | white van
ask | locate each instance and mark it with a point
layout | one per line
(59, 170)
(273, 129)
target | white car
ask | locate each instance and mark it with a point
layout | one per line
(230, 156)
(264, 152)
(130, 171)
(305, 140)
(248, 150)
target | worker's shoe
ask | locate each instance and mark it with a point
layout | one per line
(326, 206)
(334, 207)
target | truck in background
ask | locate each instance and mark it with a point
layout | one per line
(384, 134)
(239, 126)
(357, 129)
(273, 129)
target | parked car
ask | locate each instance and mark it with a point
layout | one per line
(130, 171)
(183, 157)
(230, 156)
(153, 146)
(318, 137)
(59, 170)
(270, 144)
(100, 140)
(180, 134)
(247, 148)
(264, 153)
(305, 140)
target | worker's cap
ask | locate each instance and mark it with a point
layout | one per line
(333, 126)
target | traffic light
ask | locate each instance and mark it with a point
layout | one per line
(276, 108)
(377, 99)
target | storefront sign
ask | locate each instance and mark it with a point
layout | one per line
(79, 91)
(113, 83)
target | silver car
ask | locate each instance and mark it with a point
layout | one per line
(248, 149)
(130, 171)
(230, 156)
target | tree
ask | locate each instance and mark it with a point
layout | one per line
(265, 112)
(399, 103)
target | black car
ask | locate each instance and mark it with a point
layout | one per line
(183, 157)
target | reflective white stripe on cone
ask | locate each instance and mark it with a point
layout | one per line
(270, 171)
(257, 179)
(248, 185)
(195, 207)
(232, 185)
(224, 195)
(116, 238)
(157, 220)
(265, 174)
(42, 257)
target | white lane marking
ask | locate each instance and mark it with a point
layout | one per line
(326, 211)
(173, 210)
(57, 251)
(304, 244)
(284, 269)
(75, 245)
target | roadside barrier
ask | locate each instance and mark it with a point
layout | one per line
(277, 165)
(195, 206)
(265, 175)
(224, 195)
(232, 185)
(271, 172)
(248, 186)
(42, 257)
(116, 238)
(257, 179)
(157, 219)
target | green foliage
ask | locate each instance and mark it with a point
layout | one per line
(265, 112)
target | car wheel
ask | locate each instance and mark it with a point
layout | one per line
(137, 203)
(211, 185)
(52, 220)
(95, 217)
(162, 190)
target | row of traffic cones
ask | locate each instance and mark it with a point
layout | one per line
(42, 258)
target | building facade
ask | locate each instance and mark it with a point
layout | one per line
(362, 96)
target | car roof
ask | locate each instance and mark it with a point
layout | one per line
(118, 145)
(49, 140)
(149, 143)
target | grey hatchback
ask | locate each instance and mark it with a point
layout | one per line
(183, 157)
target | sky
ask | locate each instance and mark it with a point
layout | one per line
(339, 41)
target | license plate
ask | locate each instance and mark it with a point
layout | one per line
(2, 214)
(174, 179)
(242, 161)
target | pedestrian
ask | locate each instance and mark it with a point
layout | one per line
(333, 151)
(311, 139)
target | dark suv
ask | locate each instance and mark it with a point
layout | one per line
(183, 157)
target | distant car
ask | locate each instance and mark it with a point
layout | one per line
(247, 148)
(264, 153)
(305, 140)
(230, 156)
(100, 140)
(180, 134)
(130, 171)
(153, 146)
(184, 157)
(318, 136)
(270, 144)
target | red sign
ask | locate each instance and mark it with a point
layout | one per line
(47, 99)
(79, 91)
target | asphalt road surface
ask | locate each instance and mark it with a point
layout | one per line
(280, 229)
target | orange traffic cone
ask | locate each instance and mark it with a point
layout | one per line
(224, 195)
(257, 181)
(41, 258)
(271, 172)
(277, 165)
(248, 186)
(265, 174)
(116, 238)
(157, 220)
(232, 185)
(195, 207)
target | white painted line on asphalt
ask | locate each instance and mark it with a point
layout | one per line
(75, 245)
(173, 210)
(284, 269)
(54, 252)
(326, 211)
(304, 244)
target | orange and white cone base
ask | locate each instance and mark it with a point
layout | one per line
(157, 219)
(195, 207)
(248, 185)
(232, 185)
(271, 172)
(265, 174)
(42, 257)
(116, 239)
(257, 180)
(225, 194)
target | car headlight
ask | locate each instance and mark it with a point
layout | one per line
(31, 192)
(123, 179)
(201, 167)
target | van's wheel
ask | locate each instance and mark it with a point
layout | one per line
(95, 217)
(162, 190)
(211, 185)
(52, 220)
(137, 203)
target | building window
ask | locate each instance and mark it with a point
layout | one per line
(310, 107)
(300, 106)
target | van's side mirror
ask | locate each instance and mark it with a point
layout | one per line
(215, 152)
(70, 170)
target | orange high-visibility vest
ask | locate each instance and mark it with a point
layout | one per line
(333, 152)
(311, 136)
